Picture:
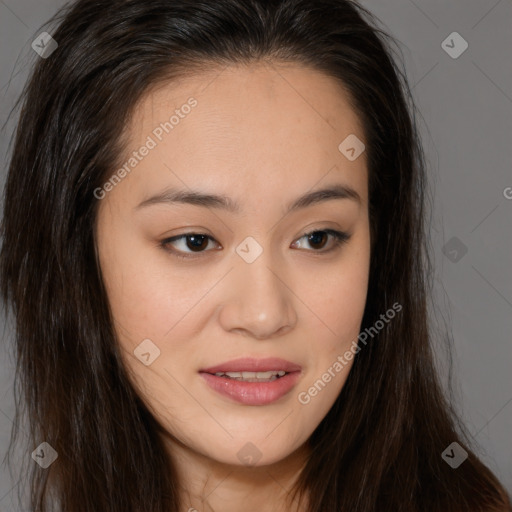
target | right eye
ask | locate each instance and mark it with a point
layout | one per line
(195, 242)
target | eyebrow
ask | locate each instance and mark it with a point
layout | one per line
(198, 198)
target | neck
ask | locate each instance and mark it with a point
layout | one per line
(208, 485)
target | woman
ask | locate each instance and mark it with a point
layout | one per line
(218, 272)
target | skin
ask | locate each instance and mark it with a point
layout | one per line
(263, 135)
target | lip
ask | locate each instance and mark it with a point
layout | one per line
(253, 393)
(249, 364)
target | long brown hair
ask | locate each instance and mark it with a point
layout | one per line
(379, 447)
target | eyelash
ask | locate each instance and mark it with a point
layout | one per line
(339, 238)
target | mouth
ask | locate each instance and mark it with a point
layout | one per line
(253, 381)
(269, 376)
(253, 365)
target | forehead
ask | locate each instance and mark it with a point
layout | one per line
(250, 124)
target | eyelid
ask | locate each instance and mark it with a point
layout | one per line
(339, 238)
(181, 254)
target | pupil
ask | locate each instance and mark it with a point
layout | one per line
(313, 237)
(197, 238)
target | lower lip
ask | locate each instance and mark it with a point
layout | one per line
(252, 393)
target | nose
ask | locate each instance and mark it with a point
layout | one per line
(260, 301)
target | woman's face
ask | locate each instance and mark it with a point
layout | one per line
(253, 287)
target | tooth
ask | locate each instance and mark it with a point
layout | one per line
(266, 375)
(259, 375)
(253, 376)
(274, 377)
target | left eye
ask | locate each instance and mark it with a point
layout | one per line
(198, 242)
(316, 237)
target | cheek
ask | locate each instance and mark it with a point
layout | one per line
(339, 300)
(340, 306)
(344, 311)
(147, 297)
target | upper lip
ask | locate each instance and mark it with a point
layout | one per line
(248, 364)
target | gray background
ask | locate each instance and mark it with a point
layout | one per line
(466, 123)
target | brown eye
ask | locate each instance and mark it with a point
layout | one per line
(319, 238)
(191, 245)
(188, 243)
(196, 242)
